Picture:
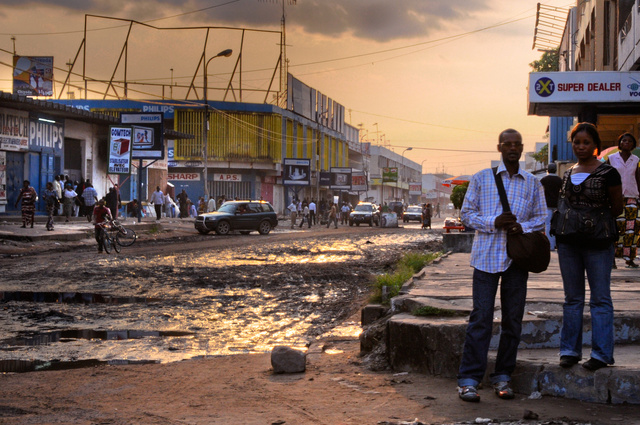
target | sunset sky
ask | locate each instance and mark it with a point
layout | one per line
(442, 77)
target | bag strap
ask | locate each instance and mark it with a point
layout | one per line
(501, 191)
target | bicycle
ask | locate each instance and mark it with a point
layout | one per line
(106, 240)
(123, 235)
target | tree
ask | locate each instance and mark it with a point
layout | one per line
(549, 62)
(542, 156)
(457, 195)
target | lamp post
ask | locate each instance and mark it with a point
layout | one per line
(399, 171)
(205, 123)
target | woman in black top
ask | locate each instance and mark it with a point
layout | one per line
(594, 189)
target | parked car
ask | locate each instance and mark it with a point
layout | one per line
(413, 212)
(398, 208)
(244, 216)
(365, 212)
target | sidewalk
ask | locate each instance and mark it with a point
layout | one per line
(433, 345)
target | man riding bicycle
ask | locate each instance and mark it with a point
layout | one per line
(100, 214)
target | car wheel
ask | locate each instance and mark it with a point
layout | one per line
(202, 231)
(358, 224)
(223, 228)
(244, 232)
(264, 228)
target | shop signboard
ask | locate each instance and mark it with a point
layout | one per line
(341, 178)
(147, 139)
(415, 188)
(358, 181)
(14, 130)
(120, 150)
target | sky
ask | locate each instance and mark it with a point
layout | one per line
(442, 77)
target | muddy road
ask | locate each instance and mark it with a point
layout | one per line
(173, 299)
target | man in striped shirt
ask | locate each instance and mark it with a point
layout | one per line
(482, 211)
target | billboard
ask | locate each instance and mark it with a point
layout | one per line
(296, 172)
(325, 178)
(33, 75)
(120, 150)
(341, 178)
(358, 181)
(389, 174)
(415, 188)
(147, 140)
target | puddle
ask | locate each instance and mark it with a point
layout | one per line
(88, 334)
(225, 301)
(22, 366)
(70, 297)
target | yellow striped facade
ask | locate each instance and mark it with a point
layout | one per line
(252, 137)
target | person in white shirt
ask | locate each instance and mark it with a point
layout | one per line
(157, 199)
(293, 208)
(312, 212)
(211, 205)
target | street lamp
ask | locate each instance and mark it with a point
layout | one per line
(205, 122)
(399, 171)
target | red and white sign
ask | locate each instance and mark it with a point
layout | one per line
(222, 177)
(183, 176)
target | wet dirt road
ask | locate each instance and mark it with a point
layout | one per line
(199, 296)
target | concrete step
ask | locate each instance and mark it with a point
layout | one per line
(433, 345)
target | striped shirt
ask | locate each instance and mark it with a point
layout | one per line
(482, 205)
(89, 194)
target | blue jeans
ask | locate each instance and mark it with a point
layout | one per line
(574, 261)
(513, 294)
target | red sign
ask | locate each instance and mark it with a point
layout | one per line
(183, 176)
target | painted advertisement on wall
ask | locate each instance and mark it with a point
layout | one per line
(33, 75)
(120, 139)
(415, 188)
(390, 174)
(358, 181)
(46, 135)
(14, 130)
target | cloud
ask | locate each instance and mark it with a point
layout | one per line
(378, 20)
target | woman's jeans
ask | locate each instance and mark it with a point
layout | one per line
(513, 294)
(574, 261)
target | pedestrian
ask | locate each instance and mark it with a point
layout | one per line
(344, 217)
(183, 199)
(333, 215)
(426, 216)
(305, 215)
(57, 187)
(293, 209)
(111, 201)
(438, 210)
(133, 208)
(211, 205)
(69, 199)
(596, 187)
(628, 224)
(193, 213)
(202, 206)
(51, 203)
(100, 214)
(90, 197)
(482, 210)
(157, 199)
(552, 185)
(28, 196)
(312, 212)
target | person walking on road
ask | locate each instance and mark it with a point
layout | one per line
(99, 215)
(482, 210)
(628, 224)
(305, 215)
(157, 199)
(552, 185)
(51, 203)
(596, 188)
(333, 215)
(28, 196)
(293, 209)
